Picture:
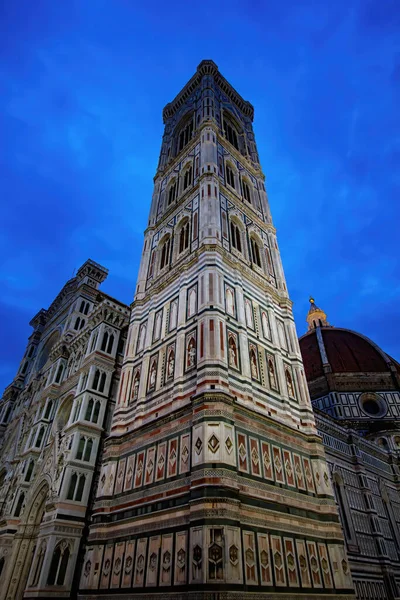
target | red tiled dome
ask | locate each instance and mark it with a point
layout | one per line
(347, 352)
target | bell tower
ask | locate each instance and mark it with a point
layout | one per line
(213, 479)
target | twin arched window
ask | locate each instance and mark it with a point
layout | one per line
(84, 308)
(107, 342)
(84, 449)
(99, 380)
(185, 135)
(92, 411)
(231, 134)
(76, 487)
(79, 323)
(58, 566)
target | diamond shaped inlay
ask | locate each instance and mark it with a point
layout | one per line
(278, 463)
(198, 445)
(288, 468)
(254, 456)
(229, 444)
(213, 443)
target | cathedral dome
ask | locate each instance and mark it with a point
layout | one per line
(340, 360)
(345, 351)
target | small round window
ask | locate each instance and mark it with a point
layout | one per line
(373, 405)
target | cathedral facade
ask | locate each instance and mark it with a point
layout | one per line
(171, 447)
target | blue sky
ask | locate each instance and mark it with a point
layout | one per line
(83, 84)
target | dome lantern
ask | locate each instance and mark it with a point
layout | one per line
(315, 316)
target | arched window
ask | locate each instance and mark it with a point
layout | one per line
(110, 344)
(96, 379)
(8, 413)
(39, 563)
(102, 382)
(135, 386)
(187, 179)
(58, 566)
(29, 472)
(20, 503)
(255, 252)
(235, 237)
(165, 251)
(48, 409)
(172, 192)
(89, 409)
(72, 486)
(77, 322)
(246, 191)
(60, 371)
(231, 134)
(82, 324)
(39, 438)
(86, 308)
(185, 135)
(94, 341)
(76, 411)
(184, 237)
(81, 448)
(80, 488)
(82, 308)
(96, 412)
(88, 450)
(230, 176)
(104, 342)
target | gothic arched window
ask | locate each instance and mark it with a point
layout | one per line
(184, 237)
(104, 342)
(187, 178)
(235, 237)
(77, 322)
(231, 133)
(255, 252)
(59, 373)
(20, 503)
(110, 344)
(29, 472)
(39, 438)
(102, 382)
(246, 191)
(172, 192)
(58, 566)
(38, 564)
(165, 252)
(96, 379)
(184, 135)
(230, 176)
